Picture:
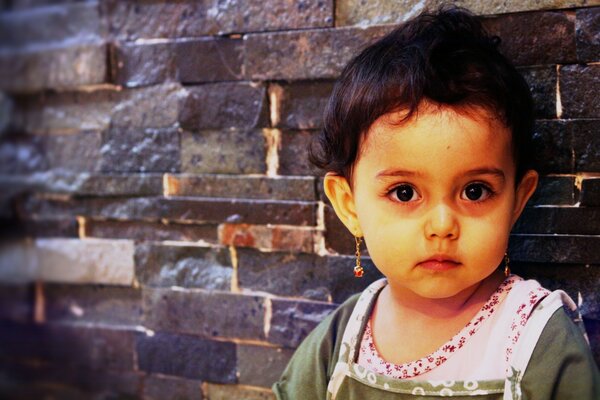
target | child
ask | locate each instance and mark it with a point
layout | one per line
(426, 144)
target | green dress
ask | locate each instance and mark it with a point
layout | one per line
(552, 361)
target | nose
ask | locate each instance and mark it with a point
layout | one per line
(442, 223)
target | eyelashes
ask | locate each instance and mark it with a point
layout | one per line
(476, 192)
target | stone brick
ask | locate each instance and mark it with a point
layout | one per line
(187, 356)
(268, 237)
(150, 231)
(293, 154)
(553, 144)
(590, 192)
(205, 313)
(293, 320)
(16, 302)
(242, 187)
(240, 152)
(541, 37)
(226, 392)
(204, 210)
(307, 54)
(300, 105)
(586, 144)
(74, 23)
(53, 68)
(21, 154)
(337, 236)
(554, 190)
(68, 260)
(190, 61)
(93, 304)
(193, 18)
(342, 282)
(166, 387)
(141, 150)
(561, 220)
(46, 228)
(357, 12)
(261, 365)
(542, 82)
(587, 25)
(185, 266)
(79, 152)
(584, 249)
(69, 346)
(579, 87)
(225, 105)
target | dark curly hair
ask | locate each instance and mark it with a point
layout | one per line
(445, 57)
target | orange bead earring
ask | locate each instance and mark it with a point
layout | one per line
(358, 269)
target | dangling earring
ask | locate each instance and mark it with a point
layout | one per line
(358, 269)
(506, 265)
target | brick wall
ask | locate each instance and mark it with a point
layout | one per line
(163, 233)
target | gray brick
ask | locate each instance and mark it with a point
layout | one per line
(79, 152)
(21, 154)
(579, 88)
(587, 25)
(187, 356)
(293, 155)
(204, 313)
(140, 150)
(166, 387)
(551, 220)
(305, 55)
(542, 81)
(261, 365)
(240, 152)
(553, 144)
(301, 104)
(150, 231)
(186, 266)
(584, 249)
(586, 144)
(16, 302)
(93, 304)
(554, 190)
(225, 105)
(590, 192)
(47, 228)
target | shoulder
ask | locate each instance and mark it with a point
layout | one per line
(308, 372)
(562, 365)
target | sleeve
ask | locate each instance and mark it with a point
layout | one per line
(307, 374)
(561, 366)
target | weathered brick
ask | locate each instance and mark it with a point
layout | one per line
(261, 365)
(541, 37)
(69, 346)
(75, 23)
(542, 81)
(293, 154)
(79, 152)
(140, 150)
(205, 313)
(243, 187)
(586, 144)
(306, 275)
(337, 236)
(16, 302)
(587, 25)
(590, 192)
(48, 228)
(270, 237)
(21, 154)
(166, 387)
(554, 190)
(293, 320)
(307, 54)
(187, 356)
(358, 12)
(240, 152)
(93, 304)
(53, 68)
(226, 392)
(150, 231)
(553, 144)
(186, 266)
(573, 220)
(579, 88)
(204, 210)
(300, 105)
(68, 260)
(190, 61)
(583, 249)
(225, 105)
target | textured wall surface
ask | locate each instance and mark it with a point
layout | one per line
(163, 235)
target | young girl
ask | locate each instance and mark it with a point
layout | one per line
(426, 145)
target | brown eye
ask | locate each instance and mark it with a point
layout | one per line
(403, 193)
(476, 191)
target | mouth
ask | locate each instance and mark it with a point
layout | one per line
(439, 263)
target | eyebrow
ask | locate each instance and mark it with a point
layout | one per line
(477, 171)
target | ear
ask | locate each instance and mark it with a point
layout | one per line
(340, 195)
(524, 191)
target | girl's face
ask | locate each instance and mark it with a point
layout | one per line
(440, 185)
